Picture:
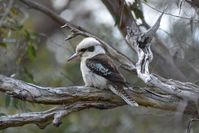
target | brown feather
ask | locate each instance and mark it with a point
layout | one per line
(114, 76)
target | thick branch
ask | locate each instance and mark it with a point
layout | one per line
(73, 94)
(50, 95)
(75, 98)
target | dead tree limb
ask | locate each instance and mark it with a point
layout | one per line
(142, 45)
(54, 115)
(76, 98)
(159, 50)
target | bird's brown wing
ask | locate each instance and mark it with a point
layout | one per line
(103, 65)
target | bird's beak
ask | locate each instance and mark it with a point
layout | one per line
(74, 56)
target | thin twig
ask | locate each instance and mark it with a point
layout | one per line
(180, 3)
(169, 14)
(115, 54)
(190, 123)
(121, 14)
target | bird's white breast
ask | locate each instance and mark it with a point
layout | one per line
(92, 79)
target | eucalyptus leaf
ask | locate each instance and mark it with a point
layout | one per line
(31, 51)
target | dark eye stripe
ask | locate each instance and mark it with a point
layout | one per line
(83, 50)
(91, 49)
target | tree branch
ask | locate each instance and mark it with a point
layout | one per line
(50, 95)
(76, 98)
(77, 30)
(69, 95)
(160, 51)
(54, 115)
(142, 43)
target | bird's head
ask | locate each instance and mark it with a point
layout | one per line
(87, 48)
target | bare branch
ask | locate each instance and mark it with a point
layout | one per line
(76, 98)
(172, 15)
(124, 60)
(68, 95)
(151, 32)
(42, 119)
(160, 51)
(50, 95)
(141, 44)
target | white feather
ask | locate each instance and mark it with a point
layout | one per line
(90, 78)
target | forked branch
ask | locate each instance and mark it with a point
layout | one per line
(75, 98)
(142, 43)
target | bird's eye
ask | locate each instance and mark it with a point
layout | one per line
(83, 50)
(91, 49)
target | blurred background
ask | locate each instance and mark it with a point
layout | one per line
(33, 49)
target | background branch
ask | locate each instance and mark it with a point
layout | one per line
(77, 30)
(54, 115)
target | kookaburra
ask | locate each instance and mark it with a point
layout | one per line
(98, 69)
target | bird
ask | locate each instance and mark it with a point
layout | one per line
(98, 69)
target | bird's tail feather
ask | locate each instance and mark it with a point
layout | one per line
(124, 95)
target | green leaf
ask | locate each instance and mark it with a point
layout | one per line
(2, 44)
(34, 35)
(27, 35)
(31, 51)
(30, 36)
(19, 27)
